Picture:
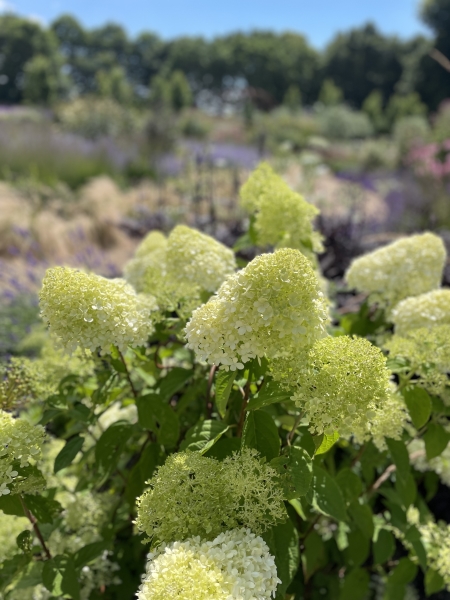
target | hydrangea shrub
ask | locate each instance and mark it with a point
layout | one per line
(199, 431)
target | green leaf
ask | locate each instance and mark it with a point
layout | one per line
(356, 585)
(418, 402)
(314, 555)
(433, 582)
(173, 382)
(12, 568)
(269, 394)
(383, 546)
(363, 517)
(31, 576)
(224, 384)
(44, 509)
(11, 505)
(306, 440)
(25, 541)
(327, 496)
(88, 553)
(142, 472)
(157, 416)
(261, 433)
(406, 489)
(223, 448)
(295, 467)
(49, 415)
(350, 484)
(403, 573)
(110, 446)
(203, 436)
(118, 365)
(358, 548)
(327, 442)
(283, 545)
(413, 536)
(68, 453)
(60, 578)
(436, 440)
(400, 457)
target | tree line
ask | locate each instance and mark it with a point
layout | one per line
(41, 65)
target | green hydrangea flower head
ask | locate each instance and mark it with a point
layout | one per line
(426, 310)
(344, 381)
(436, 540)
(196, 258)
(195, 495)
(389, 420)
(20, 443)
(427, 350)
(274, 307)
(152, 241)
(408, 267)
(283, 218)
(236, 565)
(90, 311)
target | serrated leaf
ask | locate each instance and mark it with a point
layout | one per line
(418, 402)
(400, 457)
(436, 440)
(203, 435)
(434, 582)
(261, 433)
(67, 454)
(110, 446)
(356, 585)
(173, 382)
(327, 496)
(271, 393)
(44, 509)
(327, 442)
(88, 553)
(363, 517)
(60, 577)
(349, 483)
(157, 416)
(295, 468)
(223, 385)
(283, 545)
(383, 546)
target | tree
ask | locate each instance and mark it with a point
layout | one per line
(330, 94)
(43, 82)
(21, 40)
(408, 105)
(293, 98)
(180, 91)
(363, 60)
(373, 107)
(113, 84)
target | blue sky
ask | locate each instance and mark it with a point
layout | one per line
(318, 19)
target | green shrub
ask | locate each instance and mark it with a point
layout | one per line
(341, 122)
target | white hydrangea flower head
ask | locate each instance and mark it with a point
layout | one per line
(426, 310)
(427, 351)
(283, 218)
(92, 312)
(197, 258)
(408, 267)
(237, 565)
(342, 384)
(439, 464)
(274, 307)
(436, 540)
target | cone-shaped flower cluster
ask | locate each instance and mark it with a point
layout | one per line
(344, 382)
(93, 312)
(427, 350)
(178, 269)
(194, 495)
(426, 310)
(407, 267)
(19, 441)
(236, 565)
(273, 307)
(283, 218)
